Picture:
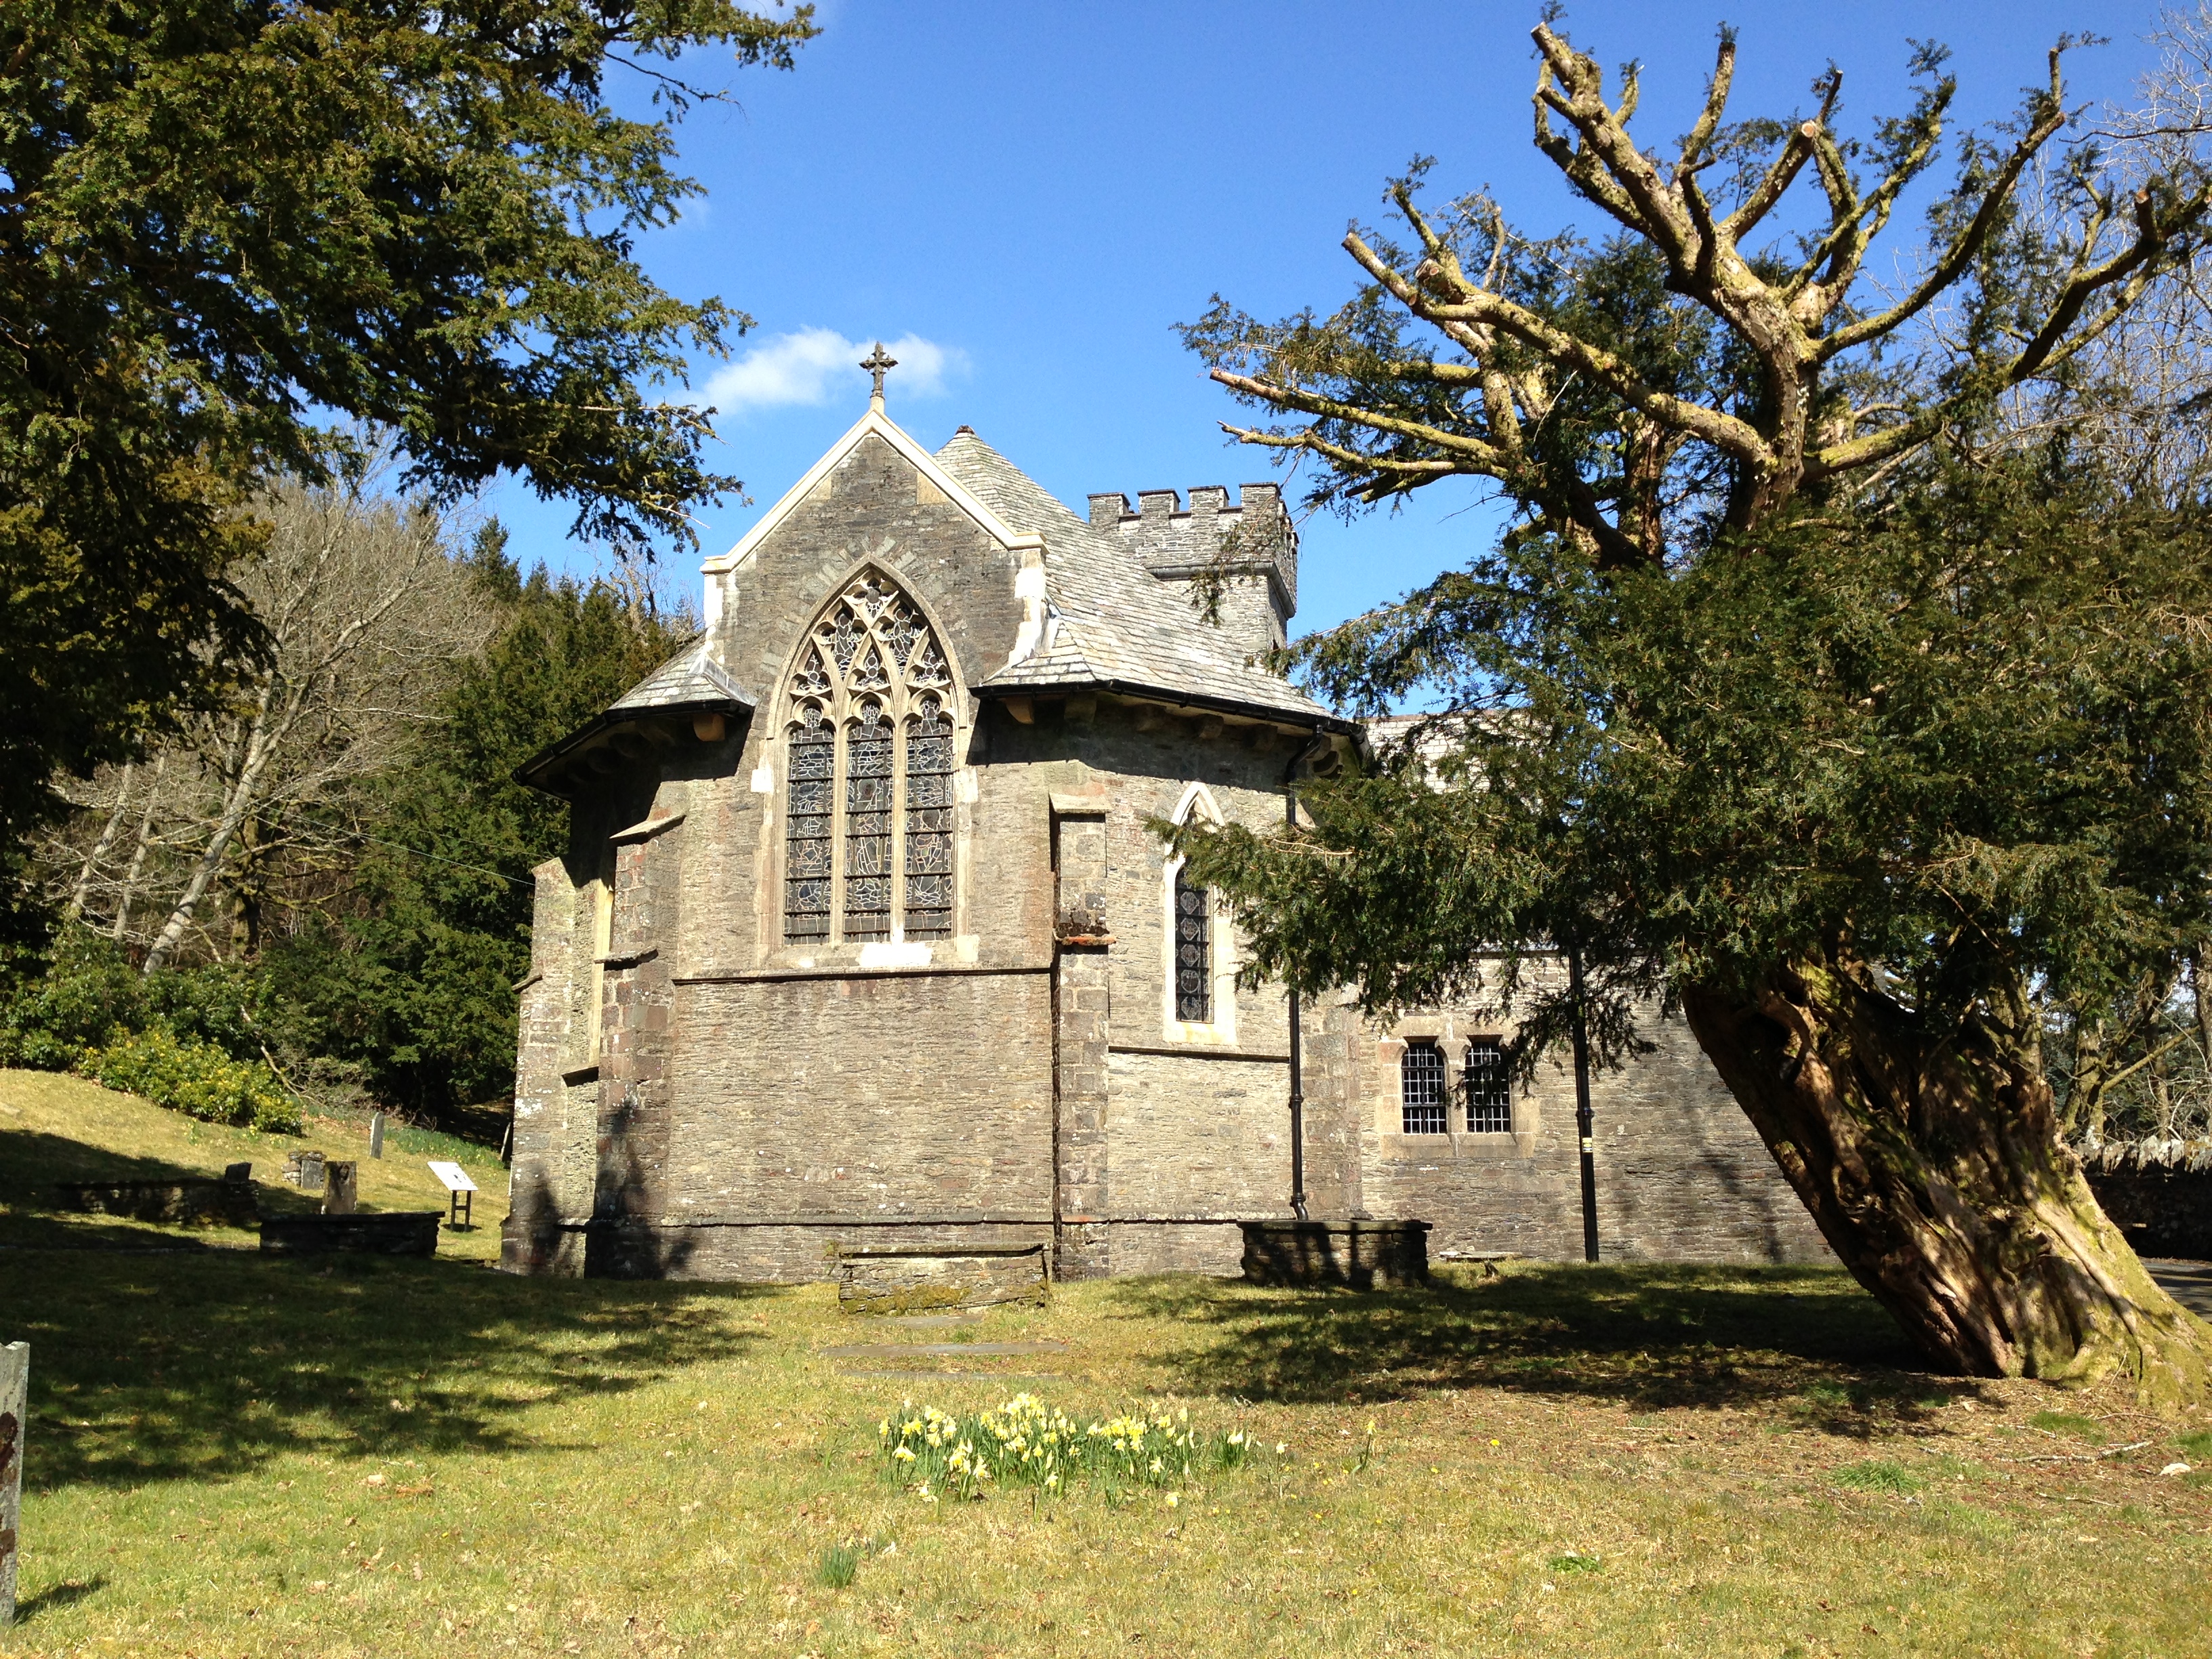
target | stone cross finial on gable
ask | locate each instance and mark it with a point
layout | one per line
(879, 364)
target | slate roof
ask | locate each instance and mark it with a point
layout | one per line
(1110, 622)
(687, 679)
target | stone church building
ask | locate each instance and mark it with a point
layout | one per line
(861, 942)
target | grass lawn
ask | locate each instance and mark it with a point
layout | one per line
(229, 1454)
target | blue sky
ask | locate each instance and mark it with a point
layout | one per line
(1029, 196)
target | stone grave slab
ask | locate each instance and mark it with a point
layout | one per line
(916, 1281)
(378, 1232)
(1361, 1256)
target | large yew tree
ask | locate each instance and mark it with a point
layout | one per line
(1817, 678)
(226, 223)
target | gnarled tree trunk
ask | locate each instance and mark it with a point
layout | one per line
(1930, 1157)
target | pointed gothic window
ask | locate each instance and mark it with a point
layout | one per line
(868, 825)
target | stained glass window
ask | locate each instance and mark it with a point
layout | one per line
(1194, 953)
(1489, 1094)
(868, 828)
(806, 865)
(1421, 1089)
(929, 823)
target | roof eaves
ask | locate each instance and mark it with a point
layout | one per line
(1319, 720)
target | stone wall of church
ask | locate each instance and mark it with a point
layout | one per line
(697, 1097)
(1189, 1116)
(1680, 1174)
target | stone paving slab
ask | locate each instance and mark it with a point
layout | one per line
(929, 1350)
(956, 1377)
(2188, 1283)
(930, 1322)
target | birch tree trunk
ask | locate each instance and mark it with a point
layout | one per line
(120, 927)
(260, 743)
(1931, 1162)
(100, 848)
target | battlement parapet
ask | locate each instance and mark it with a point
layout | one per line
(1251, 535)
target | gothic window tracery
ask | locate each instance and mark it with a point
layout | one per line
(868, 827)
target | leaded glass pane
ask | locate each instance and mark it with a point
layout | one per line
(807, 833)
(1421, 1089)
(1489, 1094)
(901, 627)
(1194, 953)
(929, 912)
(812, 679)
(868, 826)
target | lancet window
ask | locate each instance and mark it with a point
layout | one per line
(1193, 951)
(868, 820)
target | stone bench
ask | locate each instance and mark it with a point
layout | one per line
(1364, 1255)
(378, 1232)
(917, 1281)
(194, 1200)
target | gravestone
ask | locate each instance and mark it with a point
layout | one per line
(238, 1174)
(381, 1232)
(191, 1201)
(376, 1134)
(913, 1281)
(305, 1171)
(341, 1195)
(15, 1396)
(1366, 1255)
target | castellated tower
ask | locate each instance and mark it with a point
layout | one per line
(1251, 544)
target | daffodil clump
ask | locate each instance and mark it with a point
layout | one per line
(1026, 1443)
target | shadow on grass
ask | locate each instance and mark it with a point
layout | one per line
(1646, 1337)
(55, 1597)
(34, 1160)
(207, 1364)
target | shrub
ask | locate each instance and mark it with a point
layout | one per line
(194, 1077)
(88, 992)
(91, 995)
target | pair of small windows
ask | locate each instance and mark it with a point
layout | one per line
(1484, 1092)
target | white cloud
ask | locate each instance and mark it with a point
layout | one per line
(819, 366)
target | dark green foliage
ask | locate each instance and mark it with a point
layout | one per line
(223, 219)
(91, 995)
(416, 986)
(1964, 736)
